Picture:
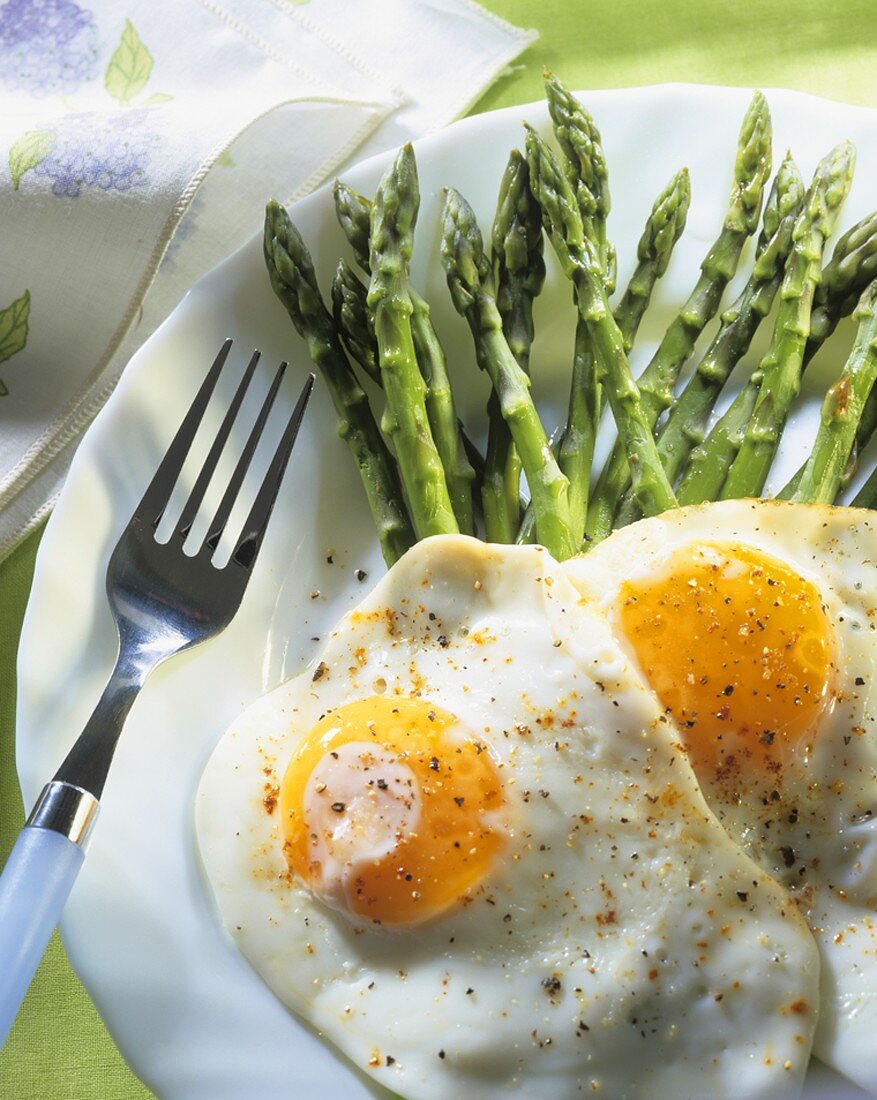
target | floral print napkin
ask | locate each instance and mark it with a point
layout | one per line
(138, 141)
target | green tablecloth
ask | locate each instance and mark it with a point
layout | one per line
(58, 1047)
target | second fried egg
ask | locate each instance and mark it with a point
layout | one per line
(755, 624)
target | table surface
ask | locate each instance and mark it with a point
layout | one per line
(58, 1047)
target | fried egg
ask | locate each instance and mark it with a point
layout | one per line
(755, 625)
(465, 846)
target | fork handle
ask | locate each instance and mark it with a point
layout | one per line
(34, 886)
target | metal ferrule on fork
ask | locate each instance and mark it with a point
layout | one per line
(65, 809)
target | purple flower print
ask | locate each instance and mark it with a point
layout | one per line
(95, 150)
(47, 46)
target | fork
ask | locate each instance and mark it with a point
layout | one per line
(163, 600)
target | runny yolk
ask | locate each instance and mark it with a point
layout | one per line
(739, 649)
(390, 811)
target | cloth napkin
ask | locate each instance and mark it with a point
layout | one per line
(138, 143)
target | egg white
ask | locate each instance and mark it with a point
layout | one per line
(622, 945)
(826, 815)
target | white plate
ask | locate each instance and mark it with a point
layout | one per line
(183, 1006)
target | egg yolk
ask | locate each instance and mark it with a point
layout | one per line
(390, 811)
(738, 648)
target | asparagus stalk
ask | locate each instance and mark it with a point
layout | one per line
(472, 285)
(663, 229)
(520, 274)
(517, 256)
(711, 460)
(585, 164)
(842, 411)
(580, 262)
(353, 320)
(851, 269)
(442, 414)
(405, 420)
(781, 367)
(354, 213)
(354, 216)
(751, 171)
(686, 423)
(293, 280)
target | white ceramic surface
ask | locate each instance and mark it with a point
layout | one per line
(184, 1007)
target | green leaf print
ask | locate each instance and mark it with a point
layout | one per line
(129, 67)
(28, 151)
(13, 330)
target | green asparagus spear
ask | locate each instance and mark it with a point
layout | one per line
(751, 171)
(852, 268)
(354, 213)
(471, 282)
(842, 411)
(352, 319)
(844, 278)
(354, 216)
(585, 166)
(686, 424)
(781, 367)
(580, 263)
(585, 163)
(442, 414)
(291, 272)
(520, 274)
(405, 419)
(711, 460)
(517, 256)
(662, 230)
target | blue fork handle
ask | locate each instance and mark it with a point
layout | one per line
(35, 884)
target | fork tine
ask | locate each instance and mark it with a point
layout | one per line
(237, 478)
(257, 521)
(203, 480)
(154, 500)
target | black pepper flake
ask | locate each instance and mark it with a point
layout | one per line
(459, 800)
(443, 641)
(431, 616)
(767, 738)
(728, 689)
(360, 575)
(469, 991)
(338, 807)
(320, 671)
(551, 984)
(434, 764)
(742, 895)
(382, 784)
(329, 559)
(860, 681)
(441, 1054)
(390, 1059)
(788, 855)
(583, 1026)
(507, 917)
